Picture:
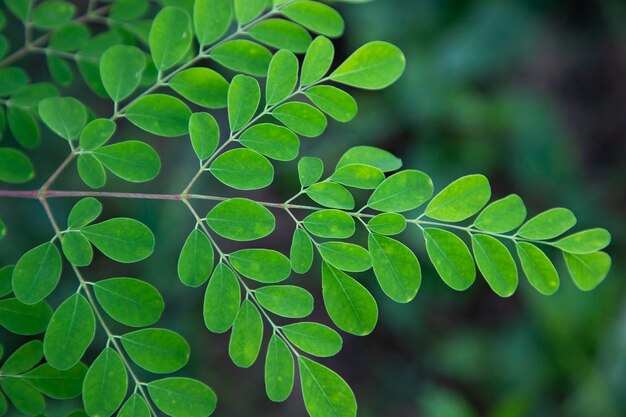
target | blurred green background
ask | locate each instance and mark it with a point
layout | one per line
(529, 93)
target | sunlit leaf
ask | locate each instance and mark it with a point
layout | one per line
(247, 335)
(170, 37)
(243, 169)
(460, 200)
(285, 300)
(279, 370)
(262, 265)
(396, 267)
(314, 338)
(373, 66)
(241, 219)
(221, 300)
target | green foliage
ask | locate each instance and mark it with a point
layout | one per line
(264, 124)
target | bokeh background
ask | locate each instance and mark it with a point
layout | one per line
(531, 94)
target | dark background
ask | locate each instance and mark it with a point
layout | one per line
(528, 93)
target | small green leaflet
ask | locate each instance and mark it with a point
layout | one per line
(282, 77)
(314, 338)
(84, 212)
(548, 225)
(262, 265)
(91, 171)
(57, 384)
(310, 170)
(121, 239)
(242, 55)
(133, 161)
(196, 259)
(502, 215)
(368, 155)
(24, 319)
(247, 335)
(130, 301)
(359, 176)
(496, 264)
(65, 116)
(338, 104)
(349, 304)
(182, 397)
(211, 19)
(204, 133)
(451, 258)
(588, 271)
(96, 133)
(201, 86)
(243, 169)
(15, 167)
(538, 268)
(346, 256)
(403, 191)
(241, 219)
(332, 195)
(302, 118)
(316, 17)
(120, 68)
(325, 393)
(23, 396)
(25, 358)
(330, 224)
(301, 252)
(221, 300)
(285, 300)
(70, 332)
(37, 273)
(387, 224)
(135, 406)
(77, 249)
(244, 95)
(170, 37)
(271, 140)
(281, 34)
(460, 200)
(159, 351)
(279, 370)
(317, 61)
(52, 14)
(246, 10)
(107, 374)
(160, 114)
(585, 242)
(396, 267)
(373, 66)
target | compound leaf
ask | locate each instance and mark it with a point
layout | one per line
(70, 332)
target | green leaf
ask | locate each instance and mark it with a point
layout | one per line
(241, 219)
(129, 10)
(135, 406)
(359, 176)
(201, 86)
(196, 259)
(15, 167)
(24, 319)
(387, 224)
(11, 80)
(182, 397)
(325, 393)
(346, 256)
(262, 265)
(107, 374)
(338, 104)
(132, 160)
(18, 7)
(246, 337)
(243, 169)
(60, 70)
(160, 114)
(158, 351)
(170, 37)
(368, 155)
(205, 134)
(502, 215)
(316, 17)
(285, 300)
(451, 258)
(247, 10)
(349, 304)
(330, 223)
(52, 13)
(329, 194)
(24, 127)
(57, 384)
(496, 264)
(121, 68)
(547, 225)
(314, 339)
(310, 170)
(37, 273)
(96, 133)
(129, 301)
(317, 61)
(69, 37)
(281, 34)
(302, 118)
(588, 271)
(245, 56)
(77, 249)
(279, 370)
(301, 252)
(121, 239)
(271, 140)
(29, 96)
(84, 212)
(211, 19)
(25, 358)
(91, 50)
(244, 96)
(6, 286)
(460, 200)
(221, 300)
(585, 242)
(65, 116)
(25, 397)
(70, 332)
(538, 268)
(91, 171)
(282, 77)
(396, 267)
(373, 66)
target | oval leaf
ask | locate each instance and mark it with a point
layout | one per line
(241, 219)
(37, 273)
(158, 351)
(123, 240)
(130, 301)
